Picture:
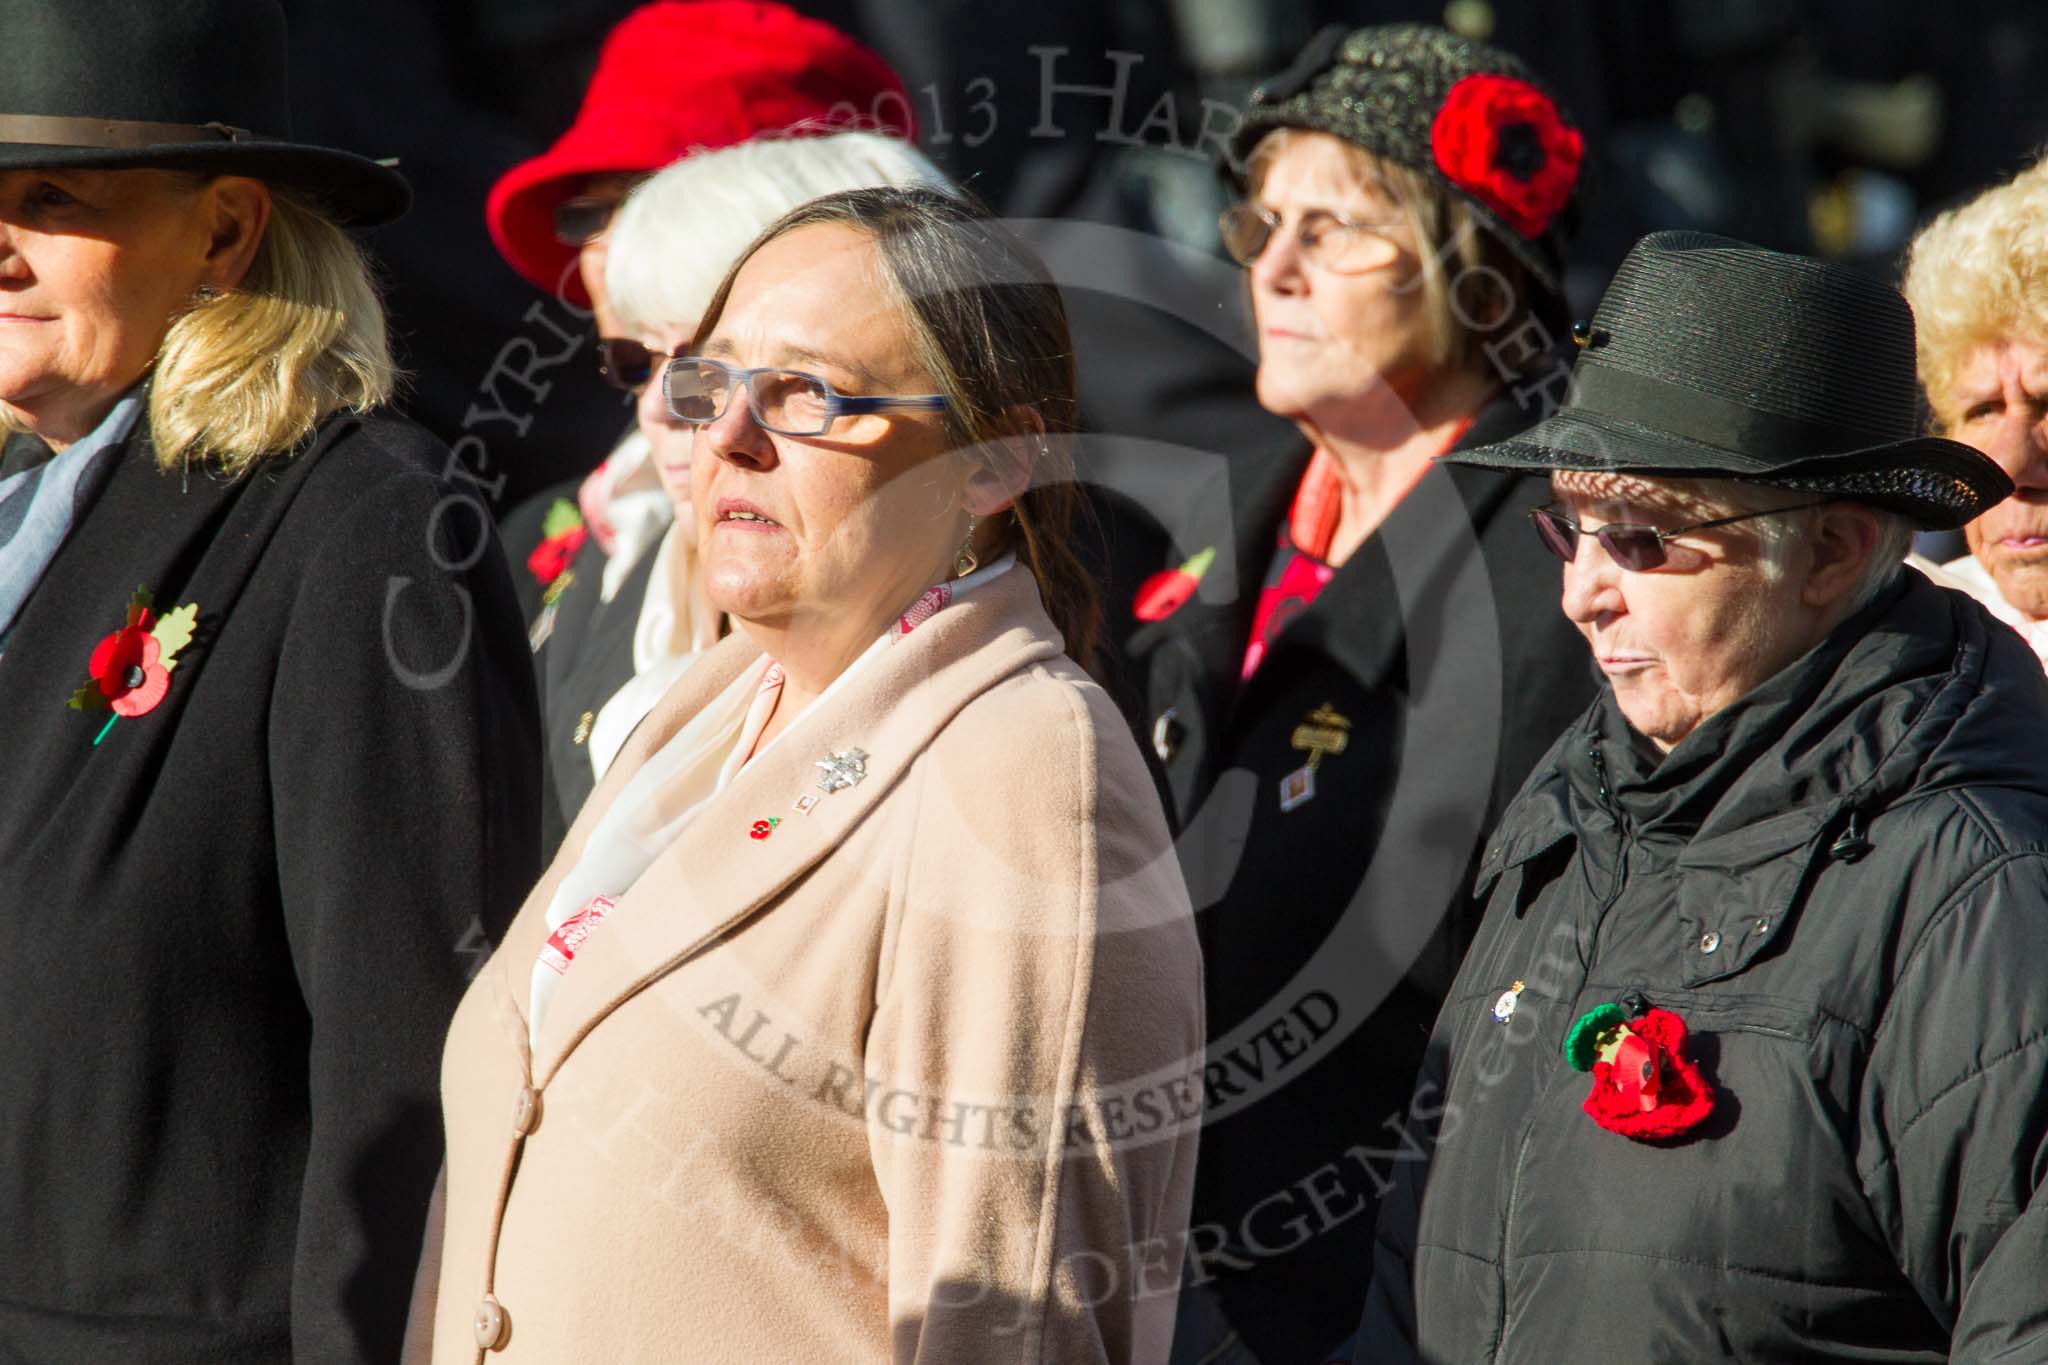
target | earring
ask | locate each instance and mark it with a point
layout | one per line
(206, 293)
(965, 563)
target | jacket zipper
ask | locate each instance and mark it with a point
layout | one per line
(1507, 1226)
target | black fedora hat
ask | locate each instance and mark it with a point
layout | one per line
(1712, 358)
(175, 84)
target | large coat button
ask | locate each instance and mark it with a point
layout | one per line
(490, 1324)
(526, 1111)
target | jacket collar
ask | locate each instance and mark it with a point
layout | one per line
(714, 877)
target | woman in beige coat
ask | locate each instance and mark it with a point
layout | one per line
(860, 1016)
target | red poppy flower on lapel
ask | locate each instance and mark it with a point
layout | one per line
(562, 535)
(130, 670)
(1503, 142)
(1167, 591)
(1644, 1086)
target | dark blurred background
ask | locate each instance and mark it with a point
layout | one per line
(1827, 126)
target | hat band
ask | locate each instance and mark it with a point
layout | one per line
(112, 134)
(1706, 419)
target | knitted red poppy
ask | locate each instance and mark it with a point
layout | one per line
(1650, 1090)
(1502, 142)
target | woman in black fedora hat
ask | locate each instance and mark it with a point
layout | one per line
(269, 736)
(1747, 1059)
(1345, 690)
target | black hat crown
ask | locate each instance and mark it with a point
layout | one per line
(191, 84)
(1712, 358)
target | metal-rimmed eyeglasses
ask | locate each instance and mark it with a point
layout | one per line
(1635, 548)
(786, 402)
(1325, 240)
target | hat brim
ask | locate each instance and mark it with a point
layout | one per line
(354, 190)
(1936, 483)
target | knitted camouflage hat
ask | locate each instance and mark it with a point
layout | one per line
(1469, 116)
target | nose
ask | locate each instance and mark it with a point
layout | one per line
(1279, 264)
(2028, 463)
(735, 437)
(1592, 584)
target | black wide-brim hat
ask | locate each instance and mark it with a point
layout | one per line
(1710, 358)
(195, 85)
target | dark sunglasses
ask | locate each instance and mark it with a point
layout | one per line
(1635, 548)
(583, 217)
(625, 362)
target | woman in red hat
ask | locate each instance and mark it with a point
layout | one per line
(675, 78)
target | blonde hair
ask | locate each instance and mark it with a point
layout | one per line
(1978, 274)
(678, 231)
(1452, 249)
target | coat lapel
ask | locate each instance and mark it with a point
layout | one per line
(715, 877)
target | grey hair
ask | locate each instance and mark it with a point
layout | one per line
(678, 232)
(1779, 534)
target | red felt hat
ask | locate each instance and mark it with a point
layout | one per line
(684, 76)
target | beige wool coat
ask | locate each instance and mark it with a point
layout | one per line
(914, 1078)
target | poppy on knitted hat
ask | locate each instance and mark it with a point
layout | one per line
(683, 76)
(1472, 118)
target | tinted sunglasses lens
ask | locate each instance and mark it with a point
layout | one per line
(582, 218)
(1635, 548)
(624, 362)
(1245, 233)
(696, 391)
(1557, 536)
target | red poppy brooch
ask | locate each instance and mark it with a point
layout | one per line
(130, 670)
(1167, 591)
(1503, 142)
(1644, 1087)
(562, 535)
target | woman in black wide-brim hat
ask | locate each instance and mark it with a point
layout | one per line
(269, 733)
(1345, 691)
(1749, 1058)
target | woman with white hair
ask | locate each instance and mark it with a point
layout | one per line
(625, 626)
(1974, 282)
(268, 725)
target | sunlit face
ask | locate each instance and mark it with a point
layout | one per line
(1327, 341)
(836, 532)
(670, 443)
(1681, 641)
(2001, 408)
(93, 266)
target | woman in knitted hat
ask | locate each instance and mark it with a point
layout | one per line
(267, 716)
(1345, 695)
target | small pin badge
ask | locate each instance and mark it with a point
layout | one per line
(806, 803)
(842, 768)
(763, 828)
(1322, 732)
(1504, 1007)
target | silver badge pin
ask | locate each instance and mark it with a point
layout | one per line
(842, 768)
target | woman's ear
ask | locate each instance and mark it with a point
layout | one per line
(1006, 465)
(1840, 541)
(238, 214)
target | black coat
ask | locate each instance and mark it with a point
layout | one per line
(1329, 931)
(586, 657)
(1866, 998)
(235, 929)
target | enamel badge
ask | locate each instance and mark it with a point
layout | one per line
(1322, 732)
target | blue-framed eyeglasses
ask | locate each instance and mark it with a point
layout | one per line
(787, 402)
